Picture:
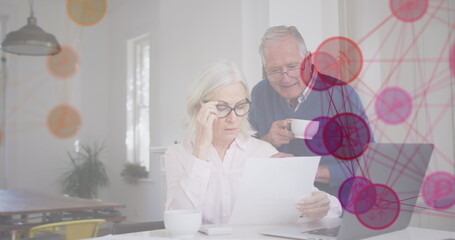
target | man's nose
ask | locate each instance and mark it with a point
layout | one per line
(285, 77)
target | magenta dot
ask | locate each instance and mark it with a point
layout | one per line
(452, 59)
(346, 136)
(348, 192)
(327, 64)
(393, 105)
(316, 145)
(438, 190)
(381, 204)
(408, 10)
(306, 76)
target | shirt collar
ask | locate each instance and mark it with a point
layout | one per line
(240, 141)
(307, 90)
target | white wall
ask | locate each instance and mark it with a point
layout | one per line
(34, 158)
(255, 18)
(316, 20)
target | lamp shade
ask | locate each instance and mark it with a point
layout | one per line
(31, 40)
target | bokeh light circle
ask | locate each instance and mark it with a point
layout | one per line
(339, 57)
(408, 10)
(64, 121)
(377, 206)
(393, 105)
(346, 136)
(316, 145)
(348, 191)
(65, 64)
(438, 190)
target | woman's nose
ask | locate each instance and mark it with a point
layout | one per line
(232, 117)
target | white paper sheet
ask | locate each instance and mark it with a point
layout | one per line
(270, 189)
(127, 237)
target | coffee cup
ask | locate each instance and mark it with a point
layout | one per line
(182, 223)
(304, 129)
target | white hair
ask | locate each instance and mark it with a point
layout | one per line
(218, 74)
(279, 33)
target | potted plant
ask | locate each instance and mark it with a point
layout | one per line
(87, 174)
(132, 172)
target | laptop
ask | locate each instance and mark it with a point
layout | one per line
(384, 205)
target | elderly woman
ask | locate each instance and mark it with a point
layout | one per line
(203, 172)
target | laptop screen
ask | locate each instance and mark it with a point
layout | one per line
(386, 187)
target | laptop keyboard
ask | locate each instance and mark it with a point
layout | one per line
(329, 232)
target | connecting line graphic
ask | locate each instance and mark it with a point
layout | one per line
(411, 23)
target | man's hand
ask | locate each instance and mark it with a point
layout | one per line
(279, 133)
(315, 206)
(323, 175)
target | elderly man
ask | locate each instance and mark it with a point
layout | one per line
(293, 88)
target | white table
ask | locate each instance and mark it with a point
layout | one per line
(251, 232)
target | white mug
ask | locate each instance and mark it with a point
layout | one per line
(182, 223)
(304, 129)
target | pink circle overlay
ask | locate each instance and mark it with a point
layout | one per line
(438, 190)
(305, 68)
(339, 57)
(65, 64)
(316, 145)
(346, 136)
(393, 105)
(408, 10)
(377, 206)
(349, 190)
(452, 59)
(64, 121)
(321, 86)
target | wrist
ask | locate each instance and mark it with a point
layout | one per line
(200, 152)
(323, 174)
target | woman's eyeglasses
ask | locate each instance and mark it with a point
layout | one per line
(240, 109)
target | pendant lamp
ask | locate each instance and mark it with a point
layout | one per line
(31, 40)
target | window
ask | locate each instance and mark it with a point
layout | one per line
(138, 101)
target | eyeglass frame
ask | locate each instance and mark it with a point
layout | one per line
(281, 73)
(247, 101)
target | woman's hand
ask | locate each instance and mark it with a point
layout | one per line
(204, 130)
(315, 206)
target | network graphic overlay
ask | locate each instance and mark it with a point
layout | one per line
(407, 84)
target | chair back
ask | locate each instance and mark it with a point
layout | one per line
(72, 230)
(120, 228)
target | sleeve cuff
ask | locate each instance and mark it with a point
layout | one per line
(200, 168)
(197, 182)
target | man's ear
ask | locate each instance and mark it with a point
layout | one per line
(264, 74)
